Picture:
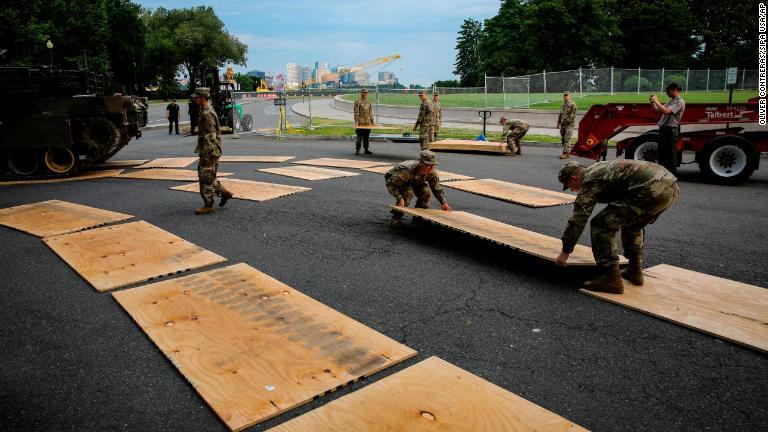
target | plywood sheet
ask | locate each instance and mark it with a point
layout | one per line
(469, 145)
(515, 193)
(252, 346)
(432, 395)
(444, 175)
(87, 175)
(309, 172)
(723, 308)
(342, 163)
(165, 174)
(249, 189)
(54, 217)
(529, 242)
(261, 159)
(179, 162)
(120, 163)
(119, 255)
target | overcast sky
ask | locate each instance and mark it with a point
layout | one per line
(347, 32)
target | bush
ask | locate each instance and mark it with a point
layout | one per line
(630, 84)
(679, 79)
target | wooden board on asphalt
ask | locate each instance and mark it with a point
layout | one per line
(528, 242)
(250, 190)
(432, 395)
(252, 346)
(723, 308)
(120, 163)
(256, 159)
(444, 175)
(54, 217)
(179, 162)
(87, 175)
(118, 255)
(309, 172)
(342, 163)
(469, 145)
(165, 174)
(515, 193)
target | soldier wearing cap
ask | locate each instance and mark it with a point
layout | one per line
(438, 114)
(363, 117)
(636, 192)
(669, 126)
(565, 122)
(415, 177)
(513, 131)
(425, 122)
(209, 149)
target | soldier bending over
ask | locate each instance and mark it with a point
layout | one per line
(414, 177)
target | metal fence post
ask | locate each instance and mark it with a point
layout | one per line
(309, 101)
(743, 75)
(378, 107)
(504, 90)
(662, 80)
(687, 76)
(611, 79)
(707, 79)
(725, 80)
(529, 92)
(546, 96)
(486, 91)
(581, 87)
(638, 80)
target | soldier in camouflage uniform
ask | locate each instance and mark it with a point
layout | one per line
(636, 192)
(363, 117)
(425, 122)
(565, 122)
(438, 114)
(209, 149)
(513, 131)
(415, 177)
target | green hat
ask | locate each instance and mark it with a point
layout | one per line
(567, 171)
(428, 157)
(203, 91)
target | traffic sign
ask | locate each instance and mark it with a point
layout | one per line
(731, 73)
(279, 101)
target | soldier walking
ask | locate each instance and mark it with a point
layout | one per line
(414, 177)
(363, 117)
(425, 122)
(172, 114)
(636, 192)
(565, 122)
(513, 131)
(438, 114)
(209, 149)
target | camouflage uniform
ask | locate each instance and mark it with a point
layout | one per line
(425, 122)
(513, 131)
(363, 117)
(636, 192)
(209, 149)
(438, 118)
(566, 121)
(404, 181)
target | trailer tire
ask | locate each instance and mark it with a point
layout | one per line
(645, 147)
(728, 160)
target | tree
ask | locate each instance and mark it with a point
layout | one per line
(448, 83)
(467, 66)
(126, 45)
(500, 45)
(726, 32)
(247, 83)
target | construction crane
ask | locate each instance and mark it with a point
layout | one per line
(368, 64)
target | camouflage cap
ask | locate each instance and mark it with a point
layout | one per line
(567, 171)
(203, 91)
(428, 157)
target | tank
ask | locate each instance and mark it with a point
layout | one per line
(56, 122)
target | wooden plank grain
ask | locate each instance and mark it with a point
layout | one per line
(87, 175)
(469, 145)
(730, 310)
(309, 172)
(120, 163)
(54, 217)
(166, 174)
(432, 395)
(528, 196)
(178, 162)
(342, 163)
(249, 190)
(252, 346)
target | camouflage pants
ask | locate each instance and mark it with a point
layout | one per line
(207, 167)
(514, 137)
(422, 198)
(434, 132)
(630, 217)
(566, 132)
(425, 137)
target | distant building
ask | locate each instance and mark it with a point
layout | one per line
(293, 75)
(329, 77)
(257, 74)
(387, 78)
(306, 74)
(362, 78)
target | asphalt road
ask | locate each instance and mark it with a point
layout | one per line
(73, 360)
(264, 113)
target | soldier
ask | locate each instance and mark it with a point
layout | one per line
(172, 114)
(669, 126)
(565, 122)
(513, 131)
(414, 177)
(363, 117)
(636, 192)
(209, 149)
(438, 114)
(193, 111)
(425, 122)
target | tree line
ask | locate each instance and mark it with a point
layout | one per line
(132, 46)
(528, 36)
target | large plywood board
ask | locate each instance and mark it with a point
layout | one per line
(119, 255)
(723, 308)
(261, 159)
(444, 175)
(88, 175)
(54, 217)
(309, 172)
(120, 163)
(179, 162)
(529, 242)
(432, 395)
(249, 189)
(252, 346)
(515, 193)
(469, 145)
(342, 163)
(165, 174)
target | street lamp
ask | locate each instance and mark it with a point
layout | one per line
(49, 44)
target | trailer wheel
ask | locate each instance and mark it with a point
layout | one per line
(645, 147)
(23, 162)
(247, 123)
(59, 160)
(727, 160)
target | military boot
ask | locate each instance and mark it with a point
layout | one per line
(610, 282)
(564, 156)
(634, 272)
(208, 208)
(225, 196)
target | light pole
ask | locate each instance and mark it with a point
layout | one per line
(49, 44)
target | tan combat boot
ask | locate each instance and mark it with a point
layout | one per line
(564, 156)
(634, 272)
(610, 282)
(225, 196)
(205, 210)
